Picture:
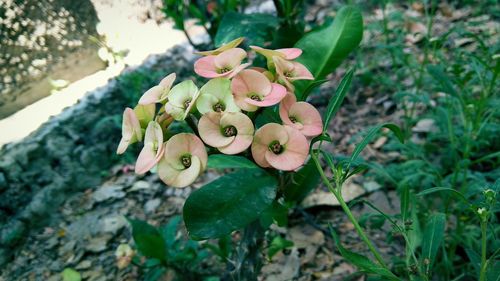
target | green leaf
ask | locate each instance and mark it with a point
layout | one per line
(336, 101)
(278, 244)
(371, 134)
(148, 239)
(433, 237)
(229, 203)
(302, 183)
(275, 213)
(222, 161)
(70, 274)
(326, 48)
(257, 28)
(437, 72)
(447, 189)
(169, 231)
(362, 262)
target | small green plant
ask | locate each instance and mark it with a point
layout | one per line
(164, 248)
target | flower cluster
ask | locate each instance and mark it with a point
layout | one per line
(222, 115)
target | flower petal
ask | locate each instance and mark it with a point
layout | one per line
(168, 81)
(209, 128)
(179, 177)
(290, 53)
(309, 117)
(222, 48)
(239, 144)
(301, 72)
(152, 95)
(205, 67)
(278, 92)
(230, 58)
(217, 87)
(250, 81)
(294, 154)
(205, 103)
(145, 114)
(240, 121)
(152, 150)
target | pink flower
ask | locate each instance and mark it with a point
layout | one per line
(131, 130)
(301, 116)
(229, 132)
(225, 47)
(158, 93)
(280, 147)
(288, 53)
(252, 90)
(152, 151)
(184, 160)
(289, 71)
(226, 64)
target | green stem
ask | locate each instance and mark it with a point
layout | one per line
(337, 193)
(484, 263)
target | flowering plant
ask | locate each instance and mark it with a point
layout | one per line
(251, 119)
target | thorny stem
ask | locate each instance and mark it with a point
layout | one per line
(336, 190)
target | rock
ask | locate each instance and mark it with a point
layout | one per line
(108, 192)
(152, 205)
(287, 269)
(98, 244)
(350, 191)
(112, 224)
(140, 185)
(425, 126)
(86, 264)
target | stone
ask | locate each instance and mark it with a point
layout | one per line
(112, 224)
(140, 185)
(98, 244)
(152, 205)
(86, 264)
(104, 193)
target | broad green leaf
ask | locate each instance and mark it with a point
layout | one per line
(268, 115)
(70, 274)
(148, 239)
(336, 101)
(278, 244)
(154, 274)
(275, 213)
(302, 183)
(371, 134)
(257, 28)
(433, 237)
(362, 262)
(222, 161)
(229, 203)
(326, 48)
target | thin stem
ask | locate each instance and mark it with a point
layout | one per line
(482, 274)
(337, 193)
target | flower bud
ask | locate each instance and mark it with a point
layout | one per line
(124, 255)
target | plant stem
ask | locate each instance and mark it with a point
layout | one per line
(249, 261)
(338, 194)
(484, 263)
